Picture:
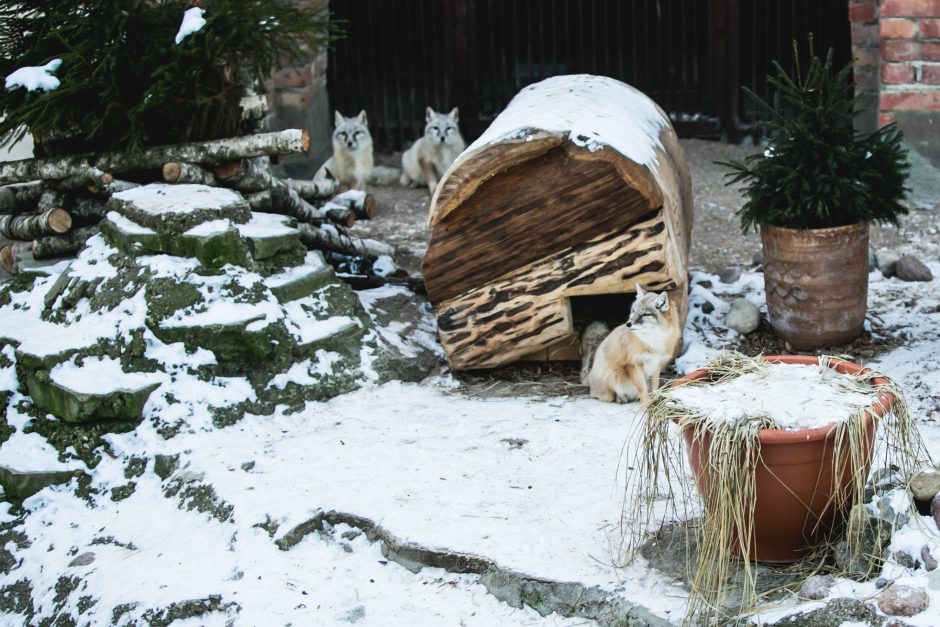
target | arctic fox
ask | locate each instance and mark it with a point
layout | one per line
(426, 161)
(629, 361)
(351, 163)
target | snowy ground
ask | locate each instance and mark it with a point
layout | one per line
(515, 493)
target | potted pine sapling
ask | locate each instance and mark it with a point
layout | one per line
(779, 450)
(812, 194)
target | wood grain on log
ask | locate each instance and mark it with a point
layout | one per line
(27, 227)
(207, 152)
(62, 245)
(254, 175)
(517, 223)
(528, 309)
(322, 239)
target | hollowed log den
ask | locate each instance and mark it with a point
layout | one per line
(578, 188)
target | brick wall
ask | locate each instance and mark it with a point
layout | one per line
(896, 46)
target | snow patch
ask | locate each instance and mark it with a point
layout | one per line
(33, 78)
(100, 375)
(266, 225)
(162, 198)
(193, 21)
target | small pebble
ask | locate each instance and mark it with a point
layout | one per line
(925, 485)
(930, 562)
(902, 601)
(881, 582)
(707, 307)
(910, 268)
(816, 587)
(729, 275)
(744, 316)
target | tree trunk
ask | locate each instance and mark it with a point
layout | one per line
(20, 198)
(182, 172)
(26, 227)
(363, 203)
(314, 190)
(209, 152)
(62, 245)
(322, 239)
(51, 199)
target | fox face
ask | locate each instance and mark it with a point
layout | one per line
(648, 309)
(351, 134)
(441, 128)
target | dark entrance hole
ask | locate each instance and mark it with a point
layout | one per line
(610, 308)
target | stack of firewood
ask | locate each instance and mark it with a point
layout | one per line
(52, 206)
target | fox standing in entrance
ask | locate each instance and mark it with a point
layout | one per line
(628, 362)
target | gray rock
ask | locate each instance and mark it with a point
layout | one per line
(910, 268)
(20, 485)
(902, 601)
(248, 466)
(354, 615)
(835, 613)
(874, 536)
(816, 587)
(881, 582)
(83, 560)
(905, 559)
(744, 316)
(165, 465)
(930, 562)
(707, 307)
(887, 513)
(935, 510)
(925, 485)
(729, 275)
(886, 260)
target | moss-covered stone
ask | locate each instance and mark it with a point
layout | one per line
(265, 247)
(73, 406)
(236, 348)
(212, 249)
(300, 284)
(180, 209)
(21, 485)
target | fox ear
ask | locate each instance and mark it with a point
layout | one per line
(662, 303)
(639, 290)
(454, 115)
(361, 118)
(338, 118)
(428, 114)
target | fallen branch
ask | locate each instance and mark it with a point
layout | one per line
(327, 239)
(27, 227)
(62, 245)
(208, 152)
(339, 215)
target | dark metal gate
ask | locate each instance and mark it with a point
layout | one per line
(690, 56)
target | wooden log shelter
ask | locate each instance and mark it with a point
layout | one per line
(578, 189)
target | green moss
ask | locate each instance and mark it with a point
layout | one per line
(85, 437)
(199, 497)
(121, 492)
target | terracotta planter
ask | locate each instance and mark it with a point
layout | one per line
(796, 486)
(817, 283)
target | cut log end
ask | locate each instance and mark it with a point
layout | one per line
(171, 172)
(59, 221)
(6, 260)
(227, 170)
(305, 140)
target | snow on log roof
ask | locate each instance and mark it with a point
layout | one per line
(594, 111)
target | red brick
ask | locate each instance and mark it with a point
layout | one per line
(902, 51)
(932, 51)
(865, 35)
(898, 28)
(862, 12)
(912, 8)
(885, 118)
(897, 73)
(930, 28)
(908, 100)
(930, 74)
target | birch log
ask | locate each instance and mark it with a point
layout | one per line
(254, 175)
(8, 255)
(90, 178)
(62, 245)
(51, 199)
(26, 227)
(260, 201)
(182, 172)
(21, 197)
(362, 203)
(323, 239)
(208, 152)
(319, 189)
(87, 211)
